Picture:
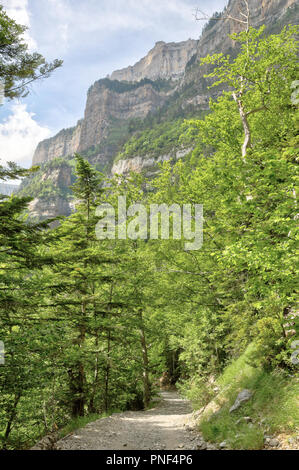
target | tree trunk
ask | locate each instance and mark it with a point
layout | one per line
(77, 373)
(11, 418)
(107, 372)
(77, 391)
(91, 407)
(247, 132)
(108, 366)
(146, 382)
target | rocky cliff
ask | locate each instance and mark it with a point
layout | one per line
(105, 102)
(66, 142)
(108, 100)
(165, 60)
(50, 190)
(215, 38)
(147, 163)
(166, 83)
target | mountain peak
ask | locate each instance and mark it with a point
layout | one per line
(170, 64)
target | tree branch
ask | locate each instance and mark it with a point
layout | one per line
(34, 79)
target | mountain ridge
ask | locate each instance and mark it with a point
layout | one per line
(117, 109)
(165, 61)
(142, 100)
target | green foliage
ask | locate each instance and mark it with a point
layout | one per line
(161, 139)
(12, 171)
(88, 180)
(124, 87)
(18, 68)
(273, 408)
(224, 428)
(20, 263)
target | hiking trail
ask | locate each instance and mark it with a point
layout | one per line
(168, 426)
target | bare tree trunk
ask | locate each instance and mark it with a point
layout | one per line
(247, 139)
(81, 375)
(91, 406)
(244, 20)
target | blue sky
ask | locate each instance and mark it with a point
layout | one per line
(93, 37)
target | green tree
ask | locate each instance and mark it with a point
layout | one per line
(20, 289)
(241, 284)
(18, 67)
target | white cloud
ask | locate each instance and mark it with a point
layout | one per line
(19, 135)
(128, 14)
(19, 11)
(73, 22)
(116, 15)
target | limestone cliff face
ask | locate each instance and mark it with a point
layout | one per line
(60, 176)
(146, 163)
(165, 60)
(66, 142)
(46, 209)
(105, 102)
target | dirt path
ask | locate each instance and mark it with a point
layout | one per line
(167, 426)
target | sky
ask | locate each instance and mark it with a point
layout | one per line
(94, 38)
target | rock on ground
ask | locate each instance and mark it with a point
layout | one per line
(245, 395)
